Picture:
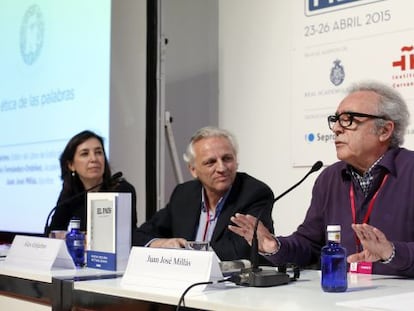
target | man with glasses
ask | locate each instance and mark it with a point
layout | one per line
(369, 191)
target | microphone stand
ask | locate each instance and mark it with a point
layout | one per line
(46, 229)
(256, 276)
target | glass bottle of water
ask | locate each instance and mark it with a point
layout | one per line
(333, 262)
(75, 242)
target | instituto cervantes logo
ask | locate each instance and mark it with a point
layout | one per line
(404, 68)
(31, 34)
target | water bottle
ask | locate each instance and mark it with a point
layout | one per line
(75, 242)
(333, 262)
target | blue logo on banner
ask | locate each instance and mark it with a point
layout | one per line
(315, 7)
(310, 137)
(323, 4)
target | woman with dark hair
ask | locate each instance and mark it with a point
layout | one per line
(84, 165)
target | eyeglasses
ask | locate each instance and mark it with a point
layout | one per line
(346, 118)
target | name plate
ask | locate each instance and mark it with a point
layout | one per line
(38, 253)
(172, 269)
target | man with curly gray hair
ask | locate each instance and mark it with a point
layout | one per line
(369, 191)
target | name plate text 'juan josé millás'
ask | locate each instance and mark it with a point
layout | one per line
(170, 269)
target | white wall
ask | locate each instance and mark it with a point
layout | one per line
(128, 95)
(254, 103)
(191, 77)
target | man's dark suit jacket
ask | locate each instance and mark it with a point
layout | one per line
(179, 219)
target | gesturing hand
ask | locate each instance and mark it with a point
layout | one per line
(244, 227)
(374, 243)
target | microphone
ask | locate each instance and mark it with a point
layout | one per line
(255, 276)
(70, 199)
(315, 167)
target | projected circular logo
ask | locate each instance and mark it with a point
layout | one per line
(31, 34)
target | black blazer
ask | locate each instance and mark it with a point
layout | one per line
(179, 219)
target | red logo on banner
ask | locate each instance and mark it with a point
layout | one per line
(405, 78)
(402, 63)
